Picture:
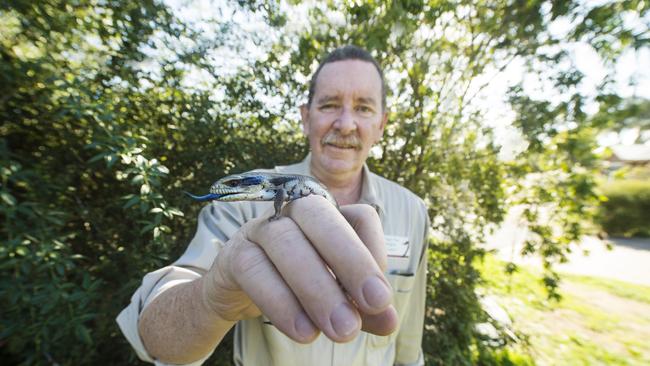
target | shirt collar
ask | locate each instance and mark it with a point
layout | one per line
(368, 183)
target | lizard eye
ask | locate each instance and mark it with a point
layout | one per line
(233, 182)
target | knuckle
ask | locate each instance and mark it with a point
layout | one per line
(311, 205)
(368, 212)
(362, 214)
(247, 260)
(252, 229)
(282, 228)
(270, 233)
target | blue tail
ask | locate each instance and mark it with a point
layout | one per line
(207, 197)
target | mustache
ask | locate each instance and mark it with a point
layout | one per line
(348, 141)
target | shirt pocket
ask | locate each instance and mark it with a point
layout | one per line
(402, 285)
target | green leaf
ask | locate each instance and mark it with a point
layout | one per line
(111, 159)
(83, 334)
(132, 201)
(99, 156)
(86, 281)
(146, 228)
(175, 212)
(8, 198)
(163, 169)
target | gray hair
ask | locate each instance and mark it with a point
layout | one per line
(348, 52)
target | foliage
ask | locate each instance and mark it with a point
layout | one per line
(626, 209)
(96, 151)
(503, 358)
(617, 114)
(452, 312)
(436, 57)
(104, 122)
(554, 177)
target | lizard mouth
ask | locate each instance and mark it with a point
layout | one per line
(222, 195)
(234, 194)
(229, 196)
(223, 191)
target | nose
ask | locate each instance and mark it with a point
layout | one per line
(346, 122)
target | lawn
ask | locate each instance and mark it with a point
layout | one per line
(597, 322)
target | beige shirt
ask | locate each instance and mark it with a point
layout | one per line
(257, 342)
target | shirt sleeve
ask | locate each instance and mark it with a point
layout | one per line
(409, 340)
(216, 224)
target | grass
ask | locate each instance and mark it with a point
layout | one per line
(597, 322)
(619, 288)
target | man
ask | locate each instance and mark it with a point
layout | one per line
(356, 275)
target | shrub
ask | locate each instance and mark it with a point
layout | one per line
(99, 135)
(626, 212)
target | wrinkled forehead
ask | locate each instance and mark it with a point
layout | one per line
(356, 78)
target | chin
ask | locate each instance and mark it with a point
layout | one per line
(337, 168)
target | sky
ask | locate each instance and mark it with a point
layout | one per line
(631, 66)
(632, 79)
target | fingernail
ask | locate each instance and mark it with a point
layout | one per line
(304, 326)
(376, 293)
(344, 320)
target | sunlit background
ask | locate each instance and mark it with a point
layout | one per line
(524, 126)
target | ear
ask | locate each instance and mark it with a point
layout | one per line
(384, 120)
(304, 115)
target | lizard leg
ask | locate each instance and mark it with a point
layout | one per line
(280, 197)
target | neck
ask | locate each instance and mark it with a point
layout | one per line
(346, 188)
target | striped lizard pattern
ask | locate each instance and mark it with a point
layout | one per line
(261, 186)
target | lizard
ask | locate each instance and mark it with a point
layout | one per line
(262, 186)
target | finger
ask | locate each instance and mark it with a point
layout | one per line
(365, 222)
(343, 251)
(309, 278)
(259, 279)
(381, 324)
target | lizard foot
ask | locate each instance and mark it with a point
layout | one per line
(275, 217)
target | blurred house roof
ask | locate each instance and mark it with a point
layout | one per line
(631, 153)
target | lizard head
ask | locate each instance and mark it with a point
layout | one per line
(250, 186)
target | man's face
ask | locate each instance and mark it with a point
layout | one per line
(345, 117)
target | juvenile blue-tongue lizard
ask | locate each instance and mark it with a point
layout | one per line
(261, 186)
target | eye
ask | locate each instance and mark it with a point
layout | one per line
(328, 106)
(233, 182)
(364, 109)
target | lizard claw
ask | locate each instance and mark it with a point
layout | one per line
(275, 217)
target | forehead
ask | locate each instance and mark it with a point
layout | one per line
(349, 77)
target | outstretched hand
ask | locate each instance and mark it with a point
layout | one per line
(314, 269)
